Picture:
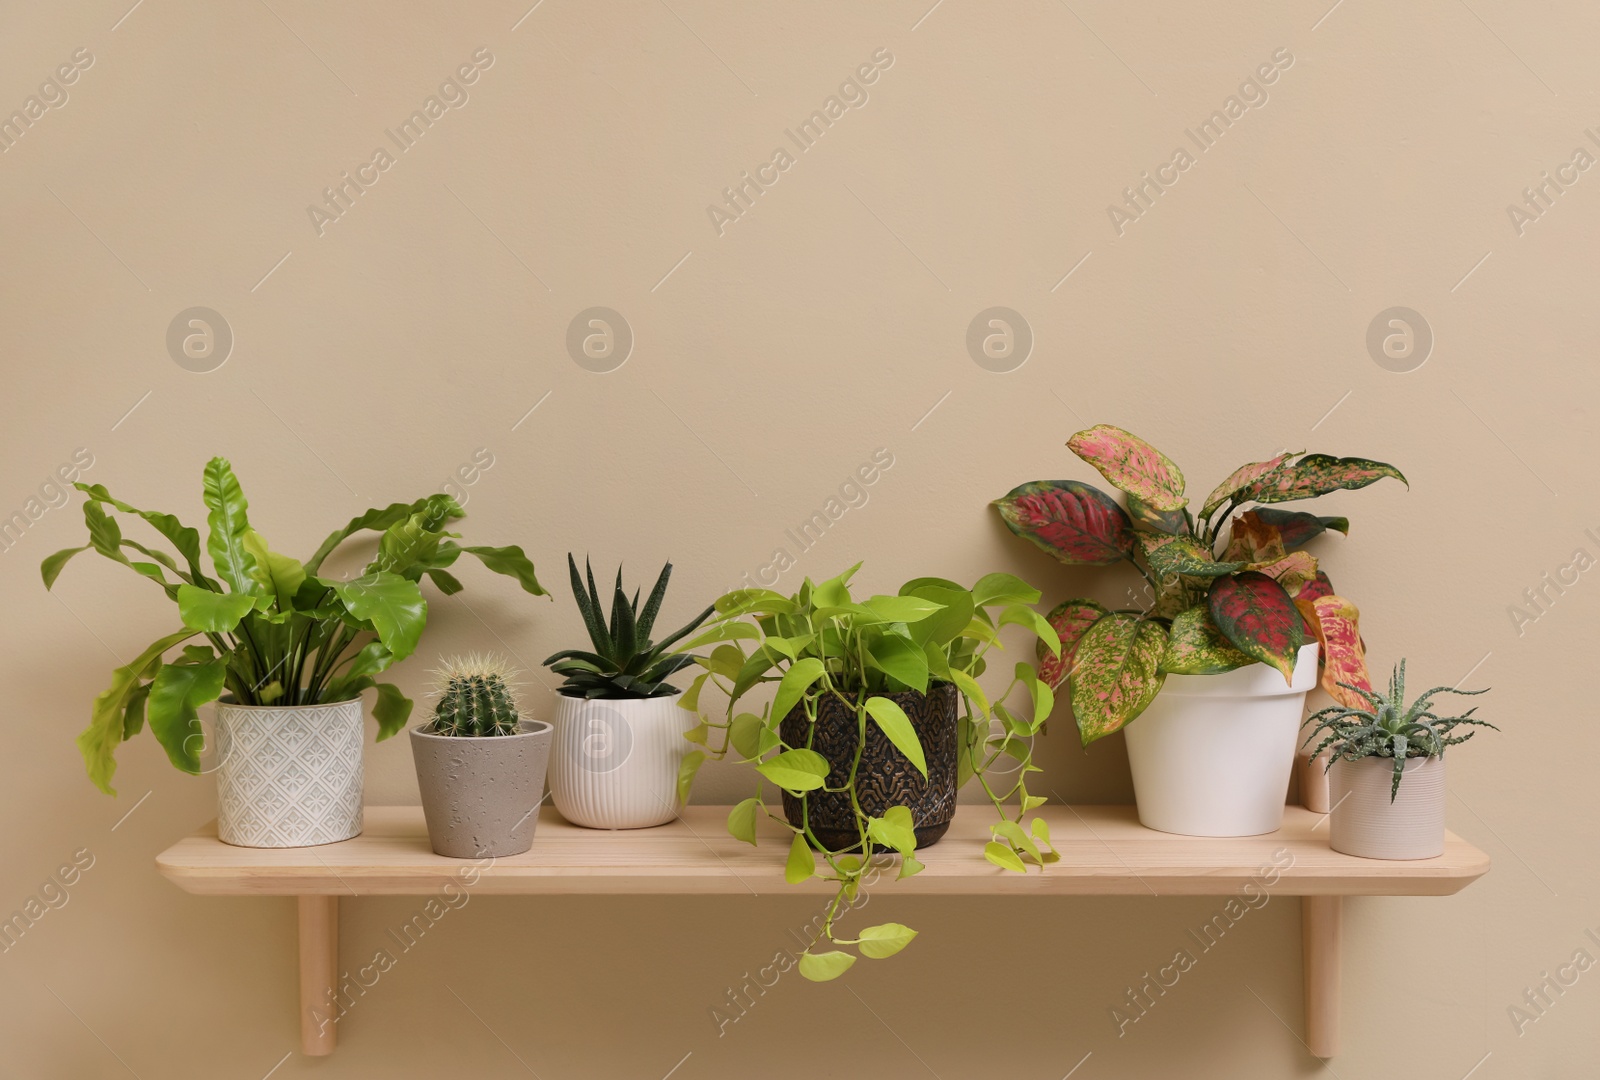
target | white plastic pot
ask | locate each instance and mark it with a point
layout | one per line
(1367, 824)
(614, 762)
(1212, 754)
(288, 775)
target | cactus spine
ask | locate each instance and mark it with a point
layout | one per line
(475, 699)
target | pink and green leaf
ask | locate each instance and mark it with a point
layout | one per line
(1196, 647)
(1241, 478)
(1131, 464)
(1316, 588)
(1296, 527)
(1294, 571)
(1071, 620)
(1170, 555)
(1077, 523)
(1259, 618)
(1117, 673)
(1149, 518)
(1251, 539)
(1318, 474)
(1344, 658)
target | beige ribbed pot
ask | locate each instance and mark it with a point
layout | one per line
(614, 762)
(1367, 824)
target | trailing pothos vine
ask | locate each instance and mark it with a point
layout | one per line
(821, 643)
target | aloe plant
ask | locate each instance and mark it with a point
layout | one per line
(625, 662)
(274, 631)
(476, 699)
(1225, 591)
(1384, 726)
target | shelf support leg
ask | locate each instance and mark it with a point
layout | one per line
(1321, 927)
(319, 964)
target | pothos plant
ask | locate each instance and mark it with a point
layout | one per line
(1225, 590)
(275, 631)
(822, 642)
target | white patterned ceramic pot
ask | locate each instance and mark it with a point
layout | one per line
(1367, 824)
(288, 776)
(614, 762)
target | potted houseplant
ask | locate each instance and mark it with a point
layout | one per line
(480, 766)
(877, 719)
(288, 652)
(1386, 769)
(619, 733)
(1217, 663)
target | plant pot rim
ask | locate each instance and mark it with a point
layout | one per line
(232, 703)
(539, 727)
(611, 700)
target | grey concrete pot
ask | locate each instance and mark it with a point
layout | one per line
(481, 795)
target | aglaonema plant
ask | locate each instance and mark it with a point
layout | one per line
(822, 642)
(1224, 590)
(274, 631)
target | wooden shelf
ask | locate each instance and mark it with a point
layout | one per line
(1104, 852)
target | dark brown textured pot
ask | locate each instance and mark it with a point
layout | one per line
(885, 777)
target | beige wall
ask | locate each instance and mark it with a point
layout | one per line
(424, 323)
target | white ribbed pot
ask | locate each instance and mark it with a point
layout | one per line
(1212, 754)
(614, 762)
(288, 775)
(1367, 824)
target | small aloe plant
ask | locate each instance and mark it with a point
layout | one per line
(625, 662)
(1388, 728)
(476, 698)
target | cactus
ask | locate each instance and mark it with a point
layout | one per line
(476, 698)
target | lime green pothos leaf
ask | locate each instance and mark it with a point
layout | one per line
(1022, 615)
(1131, 464)
(1000, 588)
(176, 694)
(884, 940)
(1255, 613)
(687, 768)
(796, 770)
(902, 609)
(1077, 523)
(893, 722)
(801, 864)
(796, 681)
(822, 967)
(1196, 647)
(1116, 673)
(901, 658)
(946, 624)
(742, 821)
(909, 867)
(895, 829)
(971, 691)
(1003, 857)
(1071, 619)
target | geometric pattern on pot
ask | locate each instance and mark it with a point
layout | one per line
(289, 776)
